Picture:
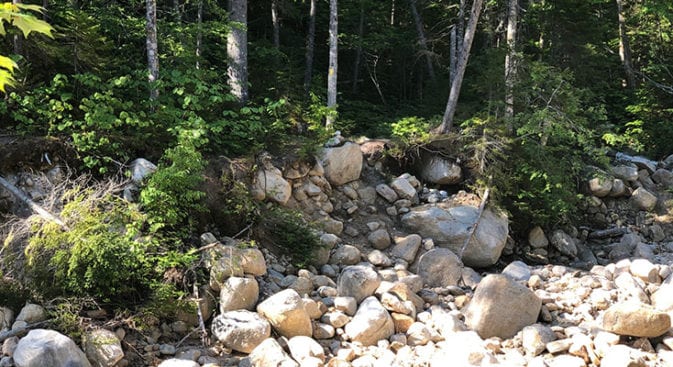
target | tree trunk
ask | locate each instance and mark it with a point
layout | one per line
(152, 48)
(511, 60)
(460, 28)
(422, 41)
(392, 13)
(276, 24)
(237, 50)
(624, 48)
(310, 45)
(333, 62)
(358, 51)
(453, 54)
(447, 120)
(199, 33)
(18, 37)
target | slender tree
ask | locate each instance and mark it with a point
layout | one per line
(310, 46)
(447, 120)
(18, 38)
(333, 62)
(358, 50)
(237, 50)
(422, 40)
(510, 58)
(276, 24)
(199, 32)
(152, 47)
(624, 48)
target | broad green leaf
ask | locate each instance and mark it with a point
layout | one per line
(7, 63)
(5, 79)
(28, 23)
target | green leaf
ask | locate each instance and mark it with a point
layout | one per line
(28, 23)
(7, 63)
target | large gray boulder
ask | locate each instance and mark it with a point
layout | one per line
(439, 267)
(358, 281)
(342, 164)
(43, 347)
(371, 323)
(241, 330)
(450, 228)
(438, 170)
(270, 181)
(286, 313)
(501, 307)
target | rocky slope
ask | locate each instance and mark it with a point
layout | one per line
(407, 276)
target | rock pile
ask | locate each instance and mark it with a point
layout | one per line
(388, 287)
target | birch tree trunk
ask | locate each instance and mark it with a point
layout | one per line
(358, 51)
(422, 41)
(152, 48)
(276, 24)
(199, 34)
(624, 48)
(237, 50)
(333, 62)
(18, 38)
(511, 60)
(453, 54)
(310, 45)
(447, 120)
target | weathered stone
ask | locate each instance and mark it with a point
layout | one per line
(303, 347)
(346, 255)
(241, 330)
(643, 199)
(535, 338)
(32, 313)
(387, 193)
(564, 243)
(537, 238)
(141, 168)
(380, 239)
(6, 318)
(501, 307)
(348, 305)
(285, 311)
(270, 353)
(418, 334)
(644, 270)
(48, 348)
(451, 227)
(403, 188)
(663, 177)
(623, 356)
(270, 181)
(238, 294)
(323, 331)
(437, 170)
(371, 323)
(358, 281)
(342, 164)
(223, 262)
(619, 188)
(439, 267)
(636, 319)
(600, 186)
(252, 261)
(102, 348)
(407, 247)
(378, 258)
(517, 270)
(662, 299)
(626, 173)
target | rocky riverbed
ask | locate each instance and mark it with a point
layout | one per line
(410, 276)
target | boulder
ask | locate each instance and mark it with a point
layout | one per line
(303, 347)
(643, 199)
(636, 319)
(407, 247)
(48, 348)
(380, 239)
(535, 338)
(102, 348)
(517, 270)
(564, 243)
(224, 261)
(439, 267)
(269, 353)
(342, 164)
(626, 173)
(141, 168)
(345, 255)
(358, 281)
(239, 294)
(270, 181)
(450, 228)
(537, 238)
(437, 170)
(32, 313)
(403, 188)
(600, 186)
(241, 330)
(252, 261)
(285, 311)
(501, 307)
(371, 323)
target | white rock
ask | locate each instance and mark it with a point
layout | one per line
(285, 311)
(32, 313)
(241, 330)
(358, 281)
(438, 170)
(270, 181)
(403, 188)
(303, 347)
(537, 238)
(42, 348)
(371, 323)
(342, 164)
(270, 353)
(239, 294)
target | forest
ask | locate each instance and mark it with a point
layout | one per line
(528, 93)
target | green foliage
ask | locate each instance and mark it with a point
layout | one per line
(412, 130)
(290, 234)
(13, 294)
(103, 254)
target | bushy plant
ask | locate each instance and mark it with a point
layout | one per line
(288, 232)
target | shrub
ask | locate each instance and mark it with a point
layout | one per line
(287, 231)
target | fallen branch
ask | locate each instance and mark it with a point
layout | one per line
(473, 229)
(605, 233)
(19, 331)
(43, 213)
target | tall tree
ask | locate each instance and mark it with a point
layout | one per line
(422, 41)
(447, 120)
(624, 47)
(237, 50)
(276, 24)
(152, 47)
(18, 38)
(310, 46)
(358, 50)
(333, 60)
(199, 32)
(511, 58)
